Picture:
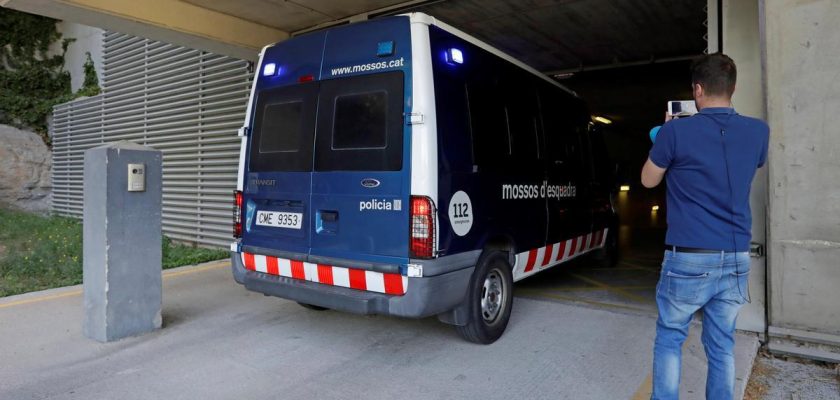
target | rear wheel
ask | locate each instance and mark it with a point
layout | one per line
(313, 307)
(489, 299)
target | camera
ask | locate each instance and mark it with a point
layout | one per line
(681, 108)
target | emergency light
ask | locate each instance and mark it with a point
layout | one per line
(384, 49)
(269, 69)
(454, 56)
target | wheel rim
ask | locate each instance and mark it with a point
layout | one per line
(493, 296)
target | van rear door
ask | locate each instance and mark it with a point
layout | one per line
(277, 191)
(360, 183)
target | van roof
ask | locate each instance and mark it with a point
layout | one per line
(429, 20)
(423, 18)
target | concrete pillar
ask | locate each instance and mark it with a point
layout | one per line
(802, 43)
(741, 34)
(122, 241)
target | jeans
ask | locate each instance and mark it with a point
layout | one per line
(717, 284)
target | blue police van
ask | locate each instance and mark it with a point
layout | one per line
(399, 166)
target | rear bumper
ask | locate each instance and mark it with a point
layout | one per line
(425, 296)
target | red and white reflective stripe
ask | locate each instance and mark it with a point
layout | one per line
(353, 278)
(532, 261)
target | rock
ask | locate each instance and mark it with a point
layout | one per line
(25, 168)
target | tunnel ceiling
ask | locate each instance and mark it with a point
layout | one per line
(550, 35)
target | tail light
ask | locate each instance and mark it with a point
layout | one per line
(422, 227)
(237, 214)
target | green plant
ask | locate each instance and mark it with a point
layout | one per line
(90, 87)
(38, 252)
(33, 81)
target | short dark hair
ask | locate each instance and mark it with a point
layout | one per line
(716, 73)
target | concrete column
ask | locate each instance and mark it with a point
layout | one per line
(122, 241)
(741, 42)
(802, 43)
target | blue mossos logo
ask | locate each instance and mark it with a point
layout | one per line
(370, 183)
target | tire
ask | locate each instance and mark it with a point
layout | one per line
(313, 307)
(489, 299)
(607, 257)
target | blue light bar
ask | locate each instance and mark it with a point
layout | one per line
(384, 49)
(454, 56)
(269, 69)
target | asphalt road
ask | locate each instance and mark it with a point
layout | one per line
(220, 341)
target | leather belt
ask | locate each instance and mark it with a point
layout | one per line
(680, 249)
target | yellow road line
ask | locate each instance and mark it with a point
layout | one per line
(536, 293)
(220, 264)
(645, 389)
(621, 292)
(76, 292)
(43, 298)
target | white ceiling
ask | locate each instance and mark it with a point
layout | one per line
(290, 15)
(549, 35)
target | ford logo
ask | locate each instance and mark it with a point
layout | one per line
(370, 183)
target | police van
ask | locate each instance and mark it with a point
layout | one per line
(402, 167)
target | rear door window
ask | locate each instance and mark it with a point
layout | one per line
(360, 121)
(284, 127)
(360, 124)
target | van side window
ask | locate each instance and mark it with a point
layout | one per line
(522, 115)
(360, 121)
(561, 140)
(602, 168)
(488, 124)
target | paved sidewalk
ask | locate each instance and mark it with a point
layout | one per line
(220, 341)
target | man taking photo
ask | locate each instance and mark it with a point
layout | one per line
(708, 161)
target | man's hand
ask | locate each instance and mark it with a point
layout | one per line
(651, 174)
(668, 117)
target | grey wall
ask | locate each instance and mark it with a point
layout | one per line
(188, 104)
(87, 40)
(740, 39)
(802, 40)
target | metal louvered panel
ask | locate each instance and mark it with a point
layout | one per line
(186, 103)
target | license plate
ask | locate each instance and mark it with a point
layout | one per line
(280, 219)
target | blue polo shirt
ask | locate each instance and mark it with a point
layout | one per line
(711, 159)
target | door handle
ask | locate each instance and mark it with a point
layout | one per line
(328, 216)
